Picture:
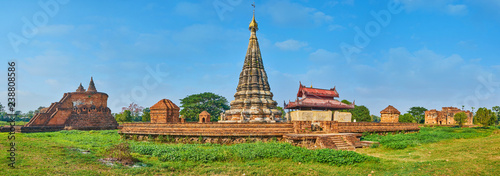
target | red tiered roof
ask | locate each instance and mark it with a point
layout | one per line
(317, 92)
(319, 99)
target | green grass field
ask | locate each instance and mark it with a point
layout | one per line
(4, 123)
(433, 151)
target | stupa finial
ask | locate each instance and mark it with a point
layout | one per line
(253, 24)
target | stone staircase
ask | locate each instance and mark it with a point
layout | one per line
(336, 142)
(340, 143)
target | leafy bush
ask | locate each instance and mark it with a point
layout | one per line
(121, 152)
(247, 152)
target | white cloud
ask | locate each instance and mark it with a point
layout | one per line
(290, 44)
(188, 9)
(322, 55)
(445, 6)
(288, 13)
(348, 2)
(333, 27)
(59, 29)
(459, 9)
(52, 82)
(412, 5)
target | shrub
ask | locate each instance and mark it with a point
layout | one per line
(121, 152)
(247, 152)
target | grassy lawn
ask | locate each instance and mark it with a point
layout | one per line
(5, 123)
(60, 153)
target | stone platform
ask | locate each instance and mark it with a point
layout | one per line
(209, 129)
(314, 135)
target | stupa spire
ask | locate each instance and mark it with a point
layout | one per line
(253, 27)
(253, 98)
(91, 86)
(80, 88)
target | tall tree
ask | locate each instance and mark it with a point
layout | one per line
(406, 118)
(134, 109)
(146, 117)
(360, 113)
(484, 117)
(125, 116)
(496, 109)
(39, 109)
(460, 118)
(282, 111)
(194, 104)
(375, 118)
(346, 102)
(418, 113)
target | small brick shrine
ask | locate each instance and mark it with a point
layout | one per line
(204, 117)
(389, 115)
(165, 111)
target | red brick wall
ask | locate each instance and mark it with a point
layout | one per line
(208, 129)
(306, 127)
(164, 116)
(261, 129)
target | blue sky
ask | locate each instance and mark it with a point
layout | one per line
(429, 53)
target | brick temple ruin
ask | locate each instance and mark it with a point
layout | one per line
(253, 116)
(446, 116)
(81, 110)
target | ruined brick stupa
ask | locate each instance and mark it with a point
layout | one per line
(253, 98)
(83, 110)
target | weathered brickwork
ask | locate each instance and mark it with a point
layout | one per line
(446, 116)
(204, 117)
(304, 127)
(164, 111)
(389, 115)
(77, 110)
(208, 129)
(309, 134)
(263, 129)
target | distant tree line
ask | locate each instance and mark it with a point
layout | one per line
(359, 113)
(25, 117)
(133, 113)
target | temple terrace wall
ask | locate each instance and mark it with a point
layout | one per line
(262, 129)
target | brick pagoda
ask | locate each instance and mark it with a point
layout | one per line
(83, 109)
(165, 111)
(389, 115)
(253, 98)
